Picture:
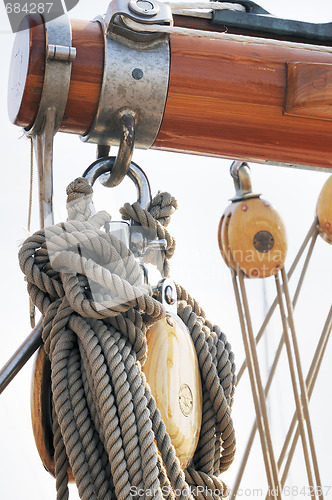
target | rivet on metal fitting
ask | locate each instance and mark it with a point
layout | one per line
(144, 7)
(137, 74)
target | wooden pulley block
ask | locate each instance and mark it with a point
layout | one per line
(173, 375)
(252, 236)
(41, 412)
(324, 211)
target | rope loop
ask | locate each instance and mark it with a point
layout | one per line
(96, 311)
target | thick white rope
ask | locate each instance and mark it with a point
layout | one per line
(202, 9)
(205, 5)
(175, 6)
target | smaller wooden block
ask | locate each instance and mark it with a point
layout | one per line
(309, 90)
(324, 211)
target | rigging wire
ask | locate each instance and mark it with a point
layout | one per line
(31, 186)
(32, 308)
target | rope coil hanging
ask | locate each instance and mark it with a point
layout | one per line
(96, 311)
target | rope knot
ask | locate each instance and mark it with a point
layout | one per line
(79, 197)
(78, 188)
(162, 207)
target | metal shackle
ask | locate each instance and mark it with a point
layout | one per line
(134, 237)
(104, 166)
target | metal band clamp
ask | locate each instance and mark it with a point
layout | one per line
(60, 55)
(136, 73)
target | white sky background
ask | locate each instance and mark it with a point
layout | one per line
(202, 187)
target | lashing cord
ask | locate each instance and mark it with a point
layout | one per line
(96, 311)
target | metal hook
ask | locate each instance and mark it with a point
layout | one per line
(122, 162)
(138, 239)
(240, 171)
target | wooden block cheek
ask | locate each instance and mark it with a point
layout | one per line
(309, 90)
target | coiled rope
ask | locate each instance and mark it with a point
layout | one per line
(96, 311)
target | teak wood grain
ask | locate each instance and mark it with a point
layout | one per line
(229, 98)
(309, 90)
(226, 98)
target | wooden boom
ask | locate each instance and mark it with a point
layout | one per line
(235, 97)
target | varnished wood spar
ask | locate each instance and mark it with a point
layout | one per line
(230, 98)
(27, 72)
(226, 98)
(86, 78)
(309, 90)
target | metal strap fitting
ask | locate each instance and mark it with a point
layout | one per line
(136, 73)
(140, 11)
(60, 55)
(240, 171)
(165, 292)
